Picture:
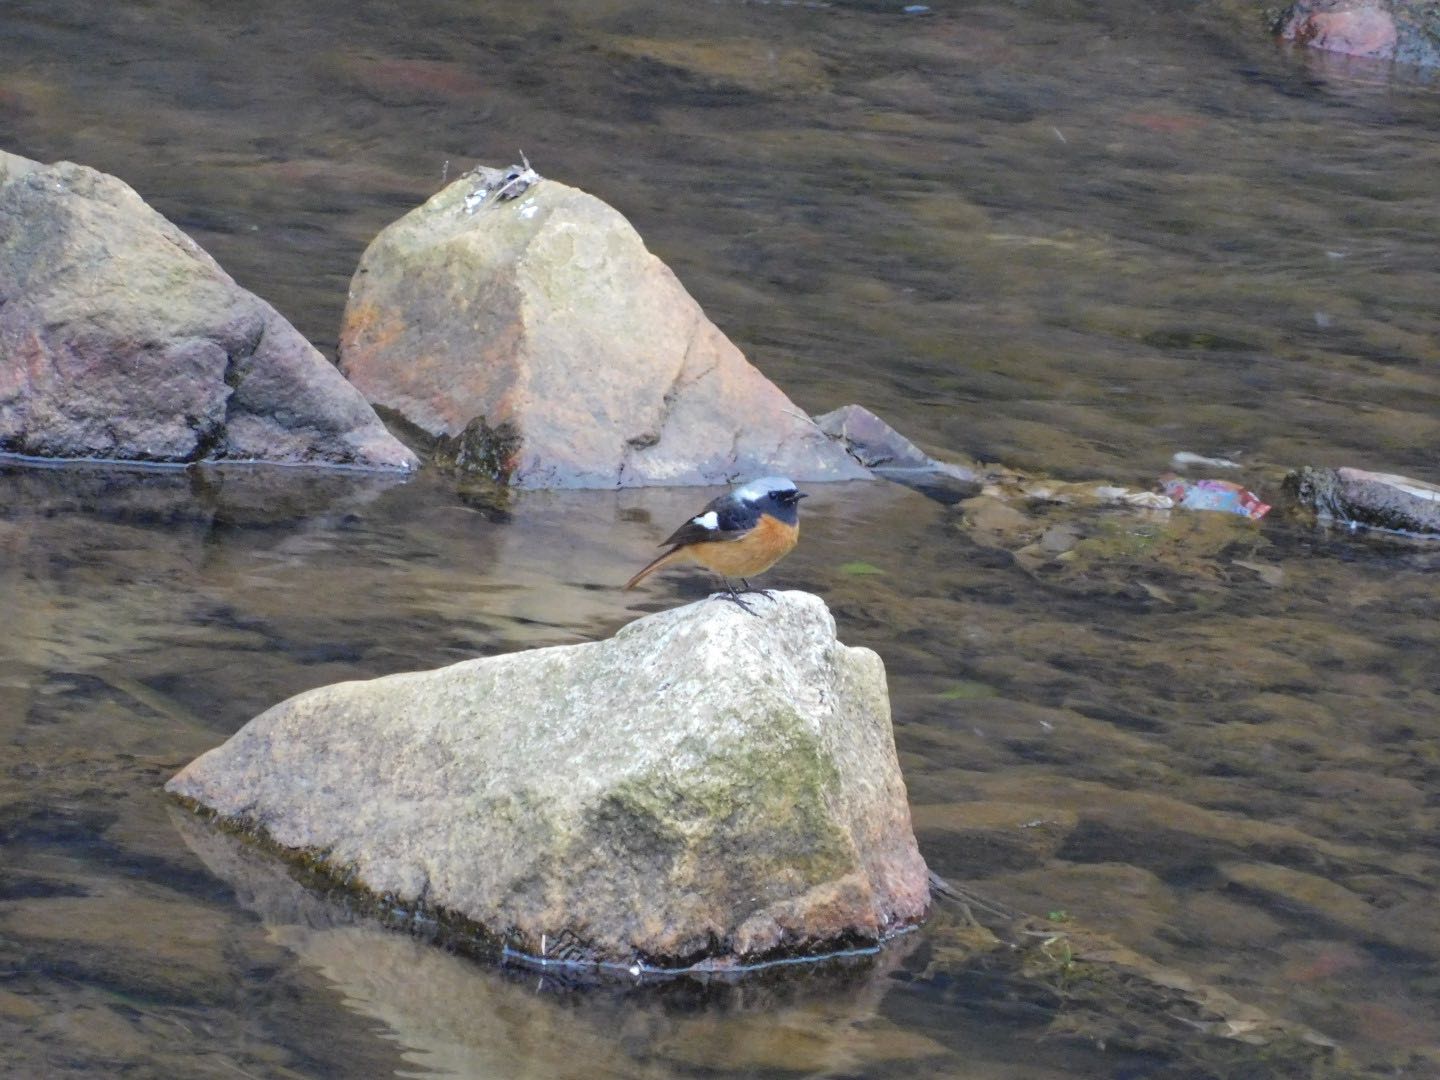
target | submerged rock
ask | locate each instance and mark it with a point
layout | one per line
(1357, 497)
(121, 338)
(983, 837)
(707, 787)
(537, 341)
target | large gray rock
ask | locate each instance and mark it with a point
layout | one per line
(542, 344)
(1358, 497)
(120, 338)
(708, 786)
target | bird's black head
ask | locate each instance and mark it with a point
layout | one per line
(773, 495)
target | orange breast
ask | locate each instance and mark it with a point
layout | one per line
(758, 550)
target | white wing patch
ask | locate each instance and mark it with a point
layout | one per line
(707, 521)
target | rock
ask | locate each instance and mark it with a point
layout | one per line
(13, 166)
(1312, 899)
(1407, 31)
(1366, 28)
(1229, 923)
(982, 837)
(707, 787)
(1356, 497)
(1082, 988)
(750, 64)
(539, 342)
(1308, 896)
(879, 447)
(1167, 835)
(992, 522)
(120, 338)
(93, 937)
(1126, 902)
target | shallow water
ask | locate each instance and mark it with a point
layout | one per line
(1072, 238)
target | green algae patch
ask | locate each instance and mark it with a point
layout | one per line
(967, 691)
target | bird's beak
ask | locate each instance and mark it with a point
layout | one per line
(802, 495)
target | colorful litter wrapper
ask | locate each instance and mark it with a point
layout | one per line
(1219, 495)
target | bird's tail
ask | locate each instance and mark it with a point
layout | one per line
(655, 564)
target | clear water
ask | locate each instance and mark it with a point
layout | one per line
(1072, 238)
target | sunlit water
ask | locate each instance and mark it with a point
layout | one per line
(1072, 238)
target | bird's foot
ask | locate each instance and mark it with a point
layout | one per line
(769, 594)
(735, 598)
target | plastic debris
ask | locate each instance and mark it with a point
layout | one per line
(1146, 500)
(1219, 495)
(497, 185)
(1185, 458)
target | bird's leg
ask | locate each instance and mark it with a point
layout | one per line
(731, 594)
(768, 594)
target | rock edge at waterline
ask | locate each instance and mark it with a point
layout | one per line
(122, 340)
(1379, 500)
(707, 788)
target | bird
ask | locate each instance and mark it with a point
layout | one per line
(738, 535)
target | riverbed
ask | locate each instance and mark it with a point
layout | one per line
(1072, 239)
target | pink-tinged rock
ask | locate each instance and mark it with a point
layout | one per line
(708, 787)
(120, 338)
(542, 344)
(1359, 28)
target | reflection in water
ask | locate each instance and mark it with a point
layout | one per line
(458, 1018)
(1066, 237)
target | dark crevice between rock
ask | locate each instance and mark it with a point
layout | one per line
(210, 438)
(667, 400)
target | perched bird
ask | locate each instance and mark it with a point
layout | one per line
(737, 535)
